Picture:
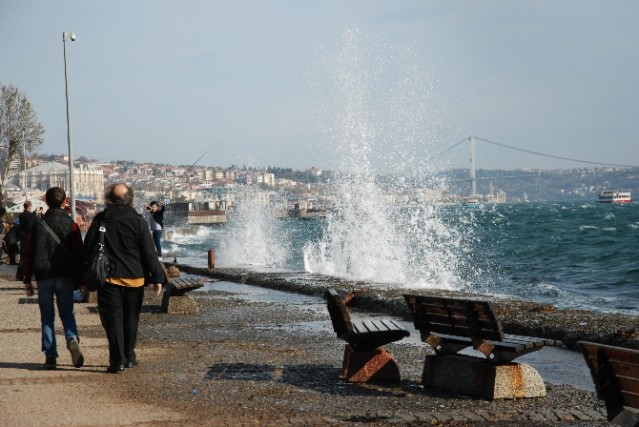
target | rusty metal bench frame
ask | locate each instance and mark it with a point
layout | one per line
(453, 324)
(365, 358)
(615, 373)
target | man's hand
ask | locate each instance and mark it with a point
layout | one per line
(157, 287)
(28, 290)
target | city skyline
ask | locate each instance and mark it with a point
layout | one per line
(270, 83)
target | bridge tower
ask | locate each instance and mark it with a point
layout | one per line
(473, 180)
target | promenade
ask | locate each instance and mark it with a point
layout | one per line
(31, 396)
(248, 358)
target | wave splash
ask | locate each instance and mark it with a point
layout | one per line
(366, 237)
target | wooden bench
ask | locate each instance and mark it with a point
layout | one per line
(450, 325)
(615, 372)
(365, 358)
(179, 286)
(174, 298)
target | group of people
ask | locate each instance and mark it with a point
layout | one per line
(55, 254)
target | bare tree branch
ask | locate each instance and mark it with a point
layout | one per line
(19, 128)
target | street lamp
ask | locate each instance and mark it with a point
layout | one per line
(71, 37)
(24, 157)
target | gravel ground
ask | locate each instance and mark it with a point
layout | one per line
(242, 362)
(238, 359)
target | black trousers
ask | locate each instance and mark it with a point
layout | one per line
(119, 308)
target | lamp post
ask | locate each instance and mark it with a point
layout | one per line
(24, 157)
(71, 37)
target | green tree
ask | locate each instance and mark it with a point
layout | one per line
(19, 129)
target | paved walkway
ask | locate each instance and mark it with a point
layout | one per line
(31, 396)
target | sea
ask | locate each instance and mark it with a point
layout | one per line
(385, 120)
(573, 255)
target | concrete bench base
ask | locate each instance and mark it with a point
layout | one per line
(375, 366)
(178, 304)
(476, 377)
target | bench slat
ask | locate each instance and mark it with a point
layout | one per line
(179, 286)
(630, 399)
(537, 340)
(511, 347)
(457, 310)
(527, 343)
(371, 326)
(629, 385)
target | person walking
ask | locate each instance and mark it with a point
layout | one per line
(53, 254)
(157, 224)
(11, 243)
(25, 222)
(133, 263)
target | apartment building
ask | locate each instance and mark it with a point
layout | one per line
(88, 179)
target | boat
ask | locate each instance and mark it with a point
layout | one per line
(471, 201)
(614, 196)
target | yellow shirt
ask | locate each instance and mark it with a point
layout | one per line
(129, 283)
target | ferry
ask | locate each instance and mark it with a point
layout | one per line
(471, 201)
(614, 196)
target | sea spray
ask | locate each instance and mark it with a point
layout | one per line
(382, 230)
(254, 236)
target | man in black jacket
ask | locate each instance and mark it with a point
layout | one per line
(157, 223)
(132, 264)
(53, 254)
(25, 222)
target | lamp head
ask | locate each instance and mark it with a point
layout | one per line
(70, 35)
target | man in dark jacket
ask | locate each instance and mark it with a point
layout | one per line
(25, 222)
(157, 224)
(132, 264)
(53, 254)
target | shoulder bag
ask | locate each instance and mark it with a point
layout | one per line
(98, 270)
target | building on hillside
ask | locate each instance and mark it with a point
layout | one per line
(222, 197)
(266, 178)
(88, 179)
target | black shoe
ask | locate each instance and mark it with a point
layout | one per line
(50, 364)
(76, 355)
(131, 363)
(115, 369)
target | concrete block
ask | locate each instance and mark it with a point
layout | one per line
(179, 304)
(477, 377)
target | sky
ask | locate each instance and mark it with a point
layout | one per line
(296, 83)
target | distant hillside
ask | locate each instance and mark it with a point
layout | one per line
(548, 185)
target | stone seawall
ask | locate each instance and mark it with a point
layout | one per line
(518, 317)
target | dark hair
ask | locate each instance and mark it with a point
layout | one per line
(116, 195)
(26, 204)
(153, 203)
(55, 197)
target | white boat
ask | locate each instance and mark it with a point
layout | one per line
(471, 201)
(614, 196)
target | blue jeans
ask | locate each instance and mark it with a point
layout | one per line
(157, 239)
(60, 289)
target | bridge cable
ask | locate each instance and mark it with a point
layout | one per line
(536, 153)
